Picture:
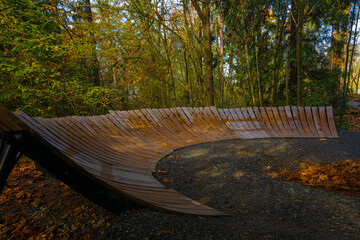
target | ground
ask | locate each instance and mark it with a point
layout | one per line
(240, 177)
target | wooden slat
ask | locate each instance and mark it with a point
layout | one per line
(268, 123)
(324, 123)
(310, 122)
(179, 116)
(198, 123)
(291, 131)
(330, 117)
(295, 117)
(233, 126)
(278, 121)
(215, 118)
(303, 121)
(317, 122)
(190, 124)
(250, 130)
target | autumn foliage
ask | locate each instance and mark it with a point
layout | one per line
(31, 199)
(343, 176)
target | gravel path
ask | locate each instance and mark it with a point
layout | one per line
(233, 176)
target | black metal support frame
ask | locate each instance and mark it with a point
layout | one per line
(9, 156)
(53, 161)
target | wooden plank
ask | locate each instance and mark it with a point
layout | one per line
(310, 122)
(42, 131)
(324, 122)
(331, 122)
(204, 125)
(156, 123)
(239, 124)
(221, 123)
(9, 122)
(291, 132)
(277, 120)
(317, 122)
(297, 122)
(215, 130)
(260, 120)
(266, 120)
(196, 123)
(223, 130)
(170, 132)
(130, 141)
(186, 116)
(182, 132)
(145, 132)
(186, 136)
(304, 122)
(253, 123)
(252, 132)
(232, 125)
(155, 134)
(182, 120)
(123, 117)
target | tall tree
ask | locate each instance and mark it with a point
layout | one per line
(204, 15)
(94, 60)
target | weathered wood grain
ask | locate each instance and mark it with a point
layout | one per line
(122, 148)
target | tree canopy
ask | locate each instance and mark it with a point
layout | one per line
(66, 57)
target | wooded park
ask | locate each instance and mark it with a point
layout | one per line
(69, 57)
(163, 114)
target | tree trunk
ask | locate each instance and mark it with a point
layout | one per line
(221, 35)
(293, 44)
(204, 15)
(275, 56)
(94, 62)
(247, 55)
(353, 47)
(299, 57)
(287, 73)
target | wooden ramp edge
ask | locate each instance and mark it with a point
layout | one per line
(121, 149)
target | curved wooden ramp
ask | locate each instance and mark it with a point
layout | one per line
(122, 148)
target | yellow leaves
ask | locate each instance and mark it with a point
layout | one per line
(162, 171)
(204, 200)
(322, 139)
(48, 7)
(342, 176)
(166, 180)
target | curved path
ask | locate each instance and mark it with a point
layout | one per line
(121, 149)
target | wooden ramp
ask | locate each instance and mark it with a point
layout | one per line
(121, 149)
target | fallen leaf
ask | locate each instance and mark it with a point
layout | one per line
(165, 180)
(322, 139)
(162, 171)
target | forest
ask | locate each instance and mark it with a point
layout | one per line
(84, 57)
